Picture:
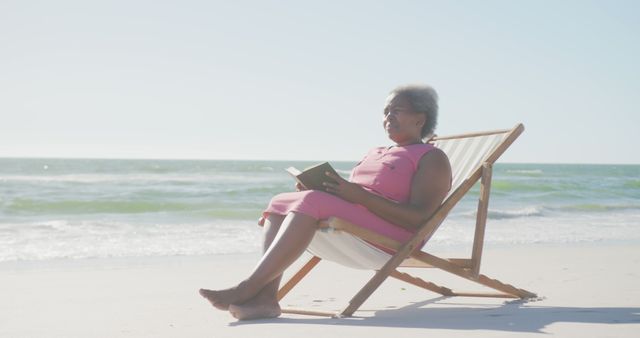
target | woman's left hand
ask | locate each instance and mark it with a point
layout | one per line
(344, 189)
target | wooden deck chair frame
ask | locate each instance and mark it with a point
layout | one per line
(409, 254)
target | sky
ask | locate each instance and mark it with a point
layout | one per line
(307, 80)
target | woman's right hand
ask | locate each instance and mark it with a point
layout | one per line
(300, 187)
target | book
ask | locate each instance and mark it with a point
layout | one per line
(313, 177)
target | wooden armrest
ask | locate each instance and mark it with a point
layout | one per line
(363, 233)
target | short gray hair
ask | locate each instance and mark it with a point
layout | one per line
(424, 100)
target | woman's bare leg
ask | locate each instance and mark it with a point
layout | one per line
(270, 229)
(265, 303)
(293, 237)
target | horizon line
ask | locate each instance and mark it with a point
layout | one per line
(258, 159)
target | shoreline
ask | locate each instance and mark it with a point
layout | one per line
(128, 261)
(586, 291)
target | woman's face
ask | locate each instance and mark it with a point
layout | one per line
(401, 122)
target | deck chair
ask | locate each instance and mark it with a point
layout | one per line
(472, 157)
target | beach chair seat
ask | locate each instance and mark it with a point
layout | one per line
(472, 157)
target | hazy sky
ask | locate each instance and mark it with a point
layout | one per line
(307, 80)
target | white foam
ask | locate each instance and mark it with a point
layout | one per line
(516, 213)
(563, 229)
(529, 211)
(88, 239)
(525, 172)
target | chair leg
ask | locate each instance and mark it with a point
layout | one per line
(507, 288)
(293, 281)
(467, 274)
(405, 277)
(371, 286)
(481, 218)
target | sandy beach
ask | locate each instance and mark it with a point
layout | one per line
(141, 142)
(585, 291)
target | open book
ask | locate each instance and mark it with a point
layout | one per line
(314, 176)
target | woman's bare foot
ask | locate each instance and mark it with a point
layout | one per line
(256, 308)
(221, 299)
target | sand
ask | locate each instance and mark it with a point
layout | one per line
(586, 291)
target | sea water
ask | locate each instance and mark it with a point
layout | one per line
(89, 208)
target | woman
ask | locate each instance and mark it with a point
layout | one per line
(392, 191)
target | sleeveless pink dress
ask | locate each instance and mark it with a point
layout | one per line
(387, 172)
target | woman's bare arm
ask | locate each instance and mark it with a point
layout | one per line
(429, 187)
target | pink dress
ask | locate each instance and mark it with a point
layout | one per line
(387, 172)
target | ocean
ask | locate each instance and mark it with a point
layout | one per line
(95, 208)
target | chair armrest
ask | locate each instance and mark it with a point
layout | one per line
(363, 233)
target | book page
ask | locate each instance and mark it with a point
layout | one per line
(293, 171)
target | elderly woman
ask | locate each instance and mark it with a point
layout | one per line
(392, 191)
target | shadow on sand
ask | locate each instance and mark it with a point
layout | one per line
(513, 316)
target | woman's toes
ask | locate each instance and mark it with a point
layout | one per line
(216, 298)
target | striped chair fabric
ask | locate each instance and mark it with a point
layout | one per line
(466, 154)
